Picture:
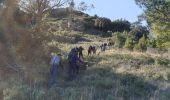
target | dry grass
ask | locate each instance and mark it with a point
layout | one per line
(116, 74)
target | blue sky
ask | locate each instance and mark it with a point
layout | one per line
(115, 9)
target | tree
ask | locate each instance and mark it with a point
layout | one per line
(38, 8)
(137, 32)
(157, 13)
(142, 44)
(129, 43)
(119, 39)
(120, 26)
(103, 24)
(156, 10)
(83, 6)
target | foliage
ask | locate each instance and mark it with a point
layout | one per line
(151, 42)
(129, 43)
(38, 8)
(163, 36)
(119, 39)
(102, 24)
(120, 26)
(137, 32)
(83, 6)
(158, 17)
(89, 22)
(142, 45)
(156, 10)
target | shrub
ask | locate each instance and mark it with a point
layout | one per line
(152, 43)
(103, 24)
(129, 44)
(142, 45)
(120, 26)
(120, 39)
(89, 22)
(138, 32)
(106, 34)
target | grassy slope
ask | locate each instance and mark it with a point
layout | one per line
(112, 75)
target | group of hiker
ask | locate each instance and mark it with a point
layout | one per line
(104, 46)
(75, 59)
(91, 50)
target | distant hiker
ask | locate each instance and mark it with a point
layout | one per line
(94, 49)
(109, 44)
(105, 46)
(80, 52)
(90, 50)
(101, 47)
(56, 62)
(74, 63)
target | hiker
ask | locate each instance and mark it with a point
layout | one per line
(80, 52)
(109, 45)
(56, 62)
(74, 63)
(94, 49)
(104, 47)
(101, 47)
(90, 50)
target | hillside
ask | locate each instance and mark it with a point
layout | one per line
(133, 68)
(112, 75)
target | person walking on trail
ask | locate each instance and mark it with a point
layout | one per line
(56, 62)
(101, 47)
(94, 49)
(73, 61)
(90, 50)
(109, 45)
(80, 52)
(104, 46)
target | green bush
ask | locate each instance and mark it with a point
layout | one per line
(106, 34)
(163, 40)
(151, 43)
(103, 24)
(129, 44)
(120, 39)
(142, 45)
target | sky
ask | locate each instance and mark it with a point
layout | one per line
(115, 9)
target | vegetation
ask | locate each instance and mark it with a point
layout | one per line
(120, 26)
(125, 71)
(129, 43)
(142, 45)
(157, 15)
